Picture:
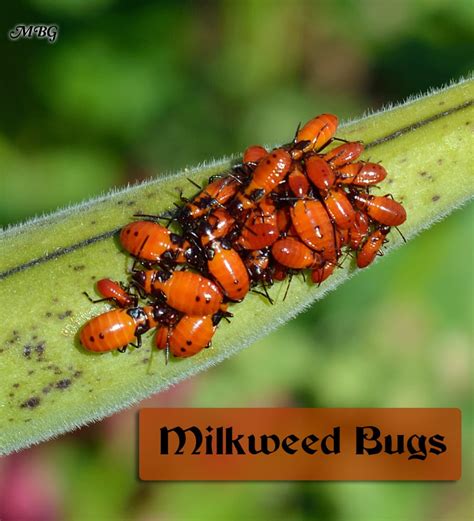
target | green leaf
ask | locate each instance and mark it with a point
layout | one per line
(51, 385)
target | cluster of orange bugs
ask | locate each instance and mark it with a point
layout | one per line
(298, 207)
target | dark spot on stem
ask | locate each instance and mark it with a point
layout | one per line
(65, 314)
(31, 403)
(423, 173)
(435, 198)
(79, 267)
(63, 384)
(39, 349)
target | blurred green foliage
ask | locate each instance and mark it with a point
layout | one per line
(132, 89)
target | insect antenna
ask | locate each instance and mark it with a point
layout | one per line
(152, 217)
(341, 139)
(97, 300)
(194, 183)
(263, 294)
(296, 132)
(288, 286)
(401, 234)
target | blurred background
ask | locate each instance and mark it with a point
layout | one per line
(133, 89)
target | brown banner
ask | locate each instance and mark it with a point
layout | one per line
(299, 444)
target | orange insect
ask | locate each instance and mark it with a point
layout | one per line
(321, 273)
(319, 172)
(190, 334)
(149, 241)
(339, 208)
(292, 253)
(257, 263)
(228, 270)
(279, 272)
(216, 194)
(343, 154)
(382, 209)
(361, 174)
(260, 228)
(185, 291)
(216, 226)
(315, 135)
(115, 292)
(188, 337)
(257, 235)
(313, 226)
(371, 248)
(358, 230)
(254, 153)
(298, 182)
(271, 170)
(117, 328)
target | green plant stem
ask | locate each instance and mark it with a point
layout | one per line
(51, 385)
